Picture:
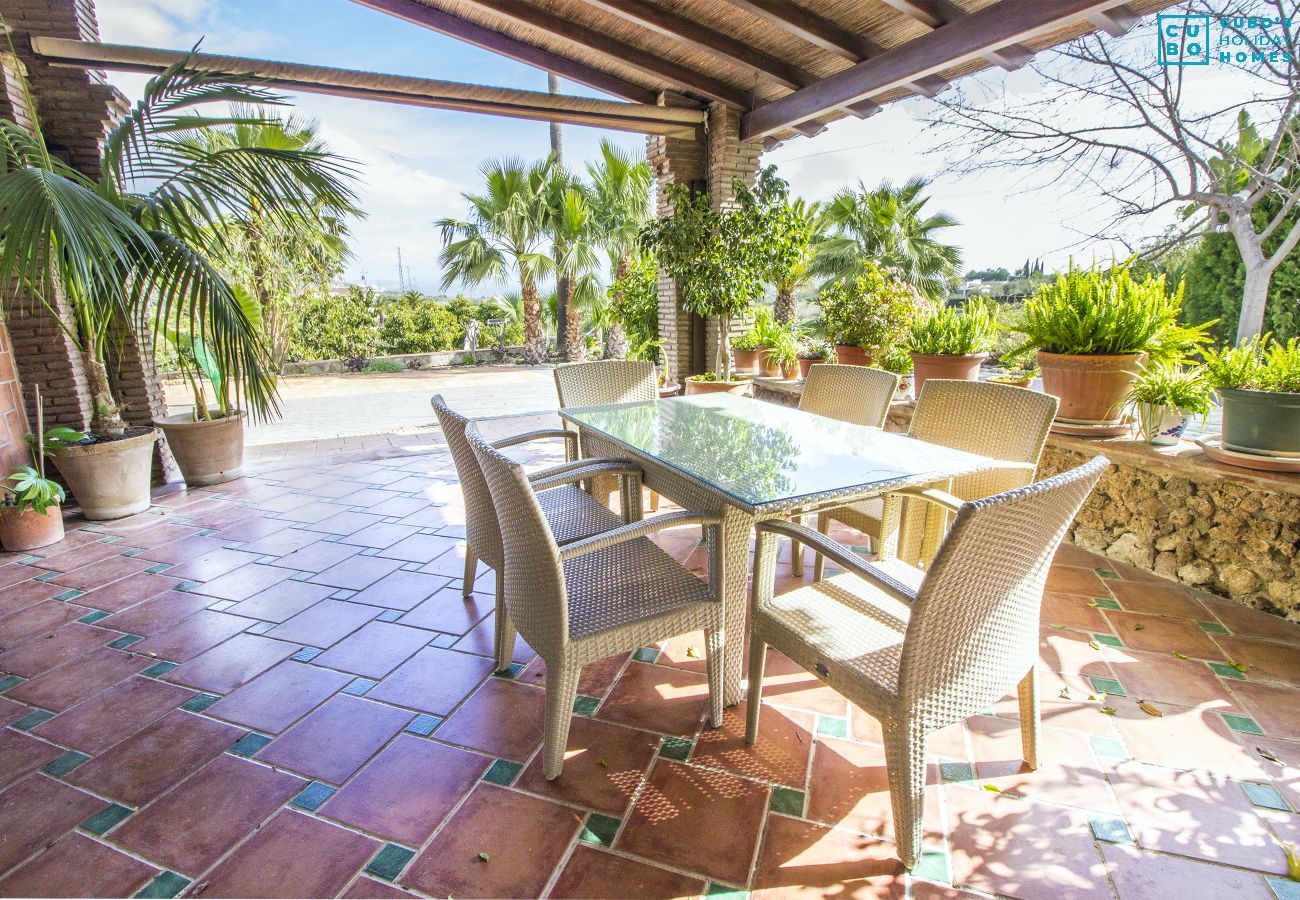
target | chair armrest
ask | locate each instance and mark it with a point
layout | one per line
(582, 470)
(933, 495)
(570, 439)
(635, 530)
(841, 555)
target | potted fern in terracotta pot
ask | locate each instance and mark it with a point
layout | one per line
(952, 343)
(1258, 383)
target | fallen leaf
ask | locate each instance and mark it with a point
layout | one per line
(1292, 859)
(1238, 666)
(692, 653)
(1058, 626)
(1150, 709)
(602, 764)
(1094, 645)
(1139, 627)
(993, 788)
(1108, 710)
(1094, 604)
(1065, 694)
(483, 857)
(1178, 655)
(1269, 755)
(1092, 696)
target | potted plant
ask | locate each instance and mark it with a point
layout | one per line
(31, 511)
(1018, 375)
(813, 352)
(127, 251)
(869, 310)
(952, 343)
(1095, 330)
(770, 335)
(785, 354)
(1164, 397)
(1258, 383)
(744, 351)
(897, 360)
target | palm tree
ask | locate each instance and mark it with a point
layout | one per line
(806, 232)
(127, 248)
(573, 231)
(620, 200)
(888, 226)
(506, 230)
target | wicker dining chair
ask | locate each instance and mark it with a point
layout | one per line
(1002, 422)
(572, 514)
(856, 394)
(919, 659)
(596, 597)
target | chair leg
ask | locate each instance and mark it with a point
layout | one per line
(504, 637)
(819, 561)
(713, 648)
(471, 571)
(1029, 718)
(754, 696)
(654, 501)
(905, 763)
(561, 691)
(796, 550)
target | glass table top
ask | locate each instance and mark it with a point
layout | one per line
(763, 455)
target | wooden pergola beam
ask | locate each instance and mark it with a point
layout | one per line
(795, 19)
(969, 38)
(937, 13)
(675, 121)
(1115, 22)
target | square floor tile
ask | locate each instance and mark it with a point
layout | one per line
(324, 624)
(591, 872)
(35, 811)
(501, 718)
(374, 650)
(433, 680)
(275, 700)
(77, 866)
(603, 766)
(336, 739)
(232, 663)
(99, 722)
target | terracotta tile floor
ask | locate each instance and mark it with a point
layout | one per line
(321, 607)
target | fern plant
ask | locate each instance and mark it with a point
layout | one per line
(1169, 384)
(948, 331)
(1257, 364)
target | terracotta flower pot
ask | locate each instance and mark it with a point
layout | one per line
(768, 364)
(717, 387)
(207, 452)
(669, 390)
(852, 355)
(745, 360)
(110, 478)
(790, 371)
(29, 530)
(805, 365)
(1090, 388)
(958, 368)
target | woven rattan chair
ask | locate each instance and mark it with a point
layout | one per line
(571, 513)
(596, 597)
(921, 658)
(999, 421)
(856, 394)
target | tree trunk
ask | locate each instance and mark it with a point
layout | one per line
(615, 342)
(534, 338)
(615, 336)
(107, 419)
(1254, 301)
(784, 309)
(724, 348)
(574, 347)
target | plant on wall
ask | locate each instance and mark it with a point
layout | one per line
(871, 309)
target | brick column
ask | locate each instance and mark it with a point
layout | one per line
(13, 420)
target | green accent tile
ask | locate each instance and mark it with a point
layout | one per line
(389, 861)
(933, 866)
(1107, 686)
(1242, 724)
(133, 552)
(166, 885)
(32, 719)
(832, 726)
(1107, 747)
(444, 641)
(1212, 627)
(957, 771)
(219, 605)
(1108, 640)
(200, 702)
(369, 551)
(111, 539)
(675, 748)
(187, 585)
(411, 566)
(264, 560)
(1110, 829)
(428, 531)
(585, 706)
(301, 576)
(260, 627)
(71, 594)
(11, 682)
(510, 673)
(646, 655)
(389, 615)
(312, 796)
(1106, 573)
(28, 560)
(1283, 888)
(249, 744)
(47, 576)
(208, 532)
(306, 654)
(64, 764)
(787, 801)
(125, 641)
(1264, 795)
(1223, 670)
(359, 686)
(599, 830)
(106, 818)
(342, 594)
(92, 618)
(1105, 603)
(502, 772)
(423, 725)
(722, 890)
(158, 569)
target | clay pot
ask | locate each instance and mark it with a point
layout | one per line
(669, 390)
(29, 530)
(768, 364)
(109, 479)
(852, 355)
(717, 387)
(745, 360)
(790, 371)
(1022, 383)
(805, 365)
(958, 368)
(1090, 388)
(208, 452)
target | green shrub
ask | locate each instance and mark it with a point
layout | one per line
(1086, 312)
(1258, 364)
(950, 331)
(637, 308)
(747, 341)
(382, 367)
(871, 309)
(420, 327)
(335, 328)
(1170, 384)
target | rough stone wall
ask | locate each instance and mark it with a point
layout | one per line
(1234, 539)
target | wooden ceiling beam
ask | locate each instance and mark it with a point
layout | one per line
(802, 23)
(496, 42)
(969, 38)
(670, 24)
(1115, 22)
(937, 13)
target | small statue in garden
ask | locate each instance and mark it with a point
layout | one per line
(471, 336)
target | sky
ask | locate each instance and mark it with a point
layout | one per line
(415, 163)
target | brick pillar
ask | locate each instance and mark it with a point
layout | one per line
(13, 418)
(712, 165)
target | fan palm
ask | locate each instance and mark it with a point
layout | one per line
(806, 231)
(573, 231)
(888, 226)
(506, 230)
(620, 200)
(126, 249)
